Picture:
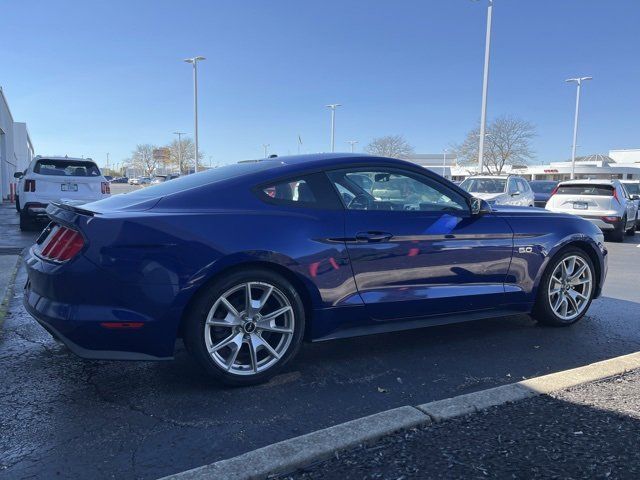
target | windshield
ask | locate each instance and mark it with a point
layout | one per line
(542, 187)
(66, 168)
(484, 185)
(633, 188)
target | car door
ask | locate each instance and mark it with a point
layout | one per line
(415, 248)
(629, 203)
(526, 195)
(512, 192)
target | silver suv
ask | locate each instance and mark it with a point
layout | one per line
(606, 203)
(500, 189)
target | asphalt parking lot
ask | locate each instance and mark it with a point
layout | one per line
(63, 417)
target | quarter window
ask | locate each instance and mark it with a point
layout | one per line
(309, 191)
(394, 190)
(290, 191)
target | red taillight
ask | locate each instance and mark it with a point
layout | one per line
(29, 185)
(615, 195)
(611, 219)
(105, 187)
(62, 244)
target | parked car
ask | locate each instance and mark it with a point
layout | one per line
(120, 180)
(140, 181)
(163, 178)
(108, 178)
(500, 189)
(57, 179)
(192, 258)
(605, 203)
(633, 189)
(542, 190)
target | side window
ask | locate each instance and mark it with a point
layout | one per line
(310, 191)
(394, 190)
(522, 186)
(290, 191)
(512, 187)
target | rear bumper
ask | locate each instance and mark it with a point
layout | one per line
(96, 319)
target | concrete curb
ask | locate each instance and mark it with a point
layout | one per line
(5, 297)
(290, 454)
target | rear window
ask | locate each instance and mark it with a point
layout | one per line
(632, 188)
(202, 178)
(586, 189)
(66, 168)
(542, 187)
(484, 185)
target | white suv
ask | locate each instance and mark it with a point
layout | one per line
(57, 179)
(500, 190)
(605, 203)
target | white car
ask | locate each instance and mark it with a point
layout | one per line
(57, 179)
(500, 190)
(633, 189)
(605, 203)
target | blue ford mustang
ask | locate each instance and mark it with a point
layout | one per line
(246, 261)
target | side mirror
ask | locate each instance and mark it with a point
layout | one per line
(17, 175)
(517, 192)
(479, 206)
(635, 196)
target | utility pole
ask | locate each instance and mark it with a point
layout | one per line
(352, 143)
(194, 61)
(578, 81)
(265, 146)
(179, 134)
(485, 86)
(333, 107)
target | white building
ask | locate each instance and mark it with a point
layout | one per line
(620, 164)
(16, 149)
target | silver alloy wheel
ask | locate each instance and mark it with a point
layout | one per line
(570, 287)
(249, 328)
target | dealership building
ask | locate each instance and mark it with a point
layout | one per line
(618, 164)
(16, 149)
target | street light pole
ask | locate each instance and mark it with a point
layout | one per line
(179, 134)
(444, 162)
(578, 81)
(485, 86)
(352, 143)
(265, 146)
(194, 61)
(333, 107)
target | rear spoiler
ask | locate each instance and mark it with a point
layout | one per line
(53, 206)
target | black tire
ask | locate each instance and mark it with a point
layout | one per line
(26, 222)
(17, 203)
(542, 310)
(618, 234)
(195, 319)
(632, 231)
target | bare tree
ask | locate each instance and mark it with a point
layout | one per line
(394, 146)
(508, 142)
(142, 159)
(183, 152)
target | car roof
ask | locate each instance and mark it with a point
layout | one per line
(493, 176)
(73, 159)
(595, 181)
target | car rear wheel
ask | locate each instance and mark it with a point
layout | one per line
(26, 222)
(246, 326)
(17, 203)
(617, 235)
(566, 289)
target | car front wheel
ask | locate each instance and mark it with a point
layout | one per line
(246, 326)
(566, 289)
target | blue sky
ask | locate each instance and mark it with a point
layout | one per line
(91, 78)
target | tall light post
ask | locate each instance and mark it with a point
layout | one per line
(352, 143)
(333, 107)
(179, 134)
(265, 146)
(444, 162)
(485, 86)
(194, 61)
(578, 81)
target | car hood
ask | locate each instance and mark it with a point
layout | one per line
(539, 197)
(487, 196)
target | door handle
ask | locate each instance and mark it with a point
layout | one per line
(373, 236)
